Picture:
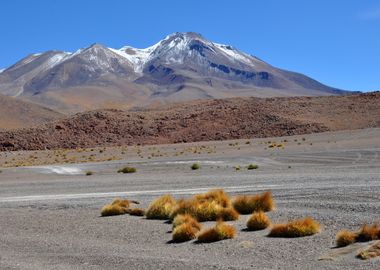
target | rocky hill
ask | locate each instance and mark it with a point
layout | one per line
(201, 121)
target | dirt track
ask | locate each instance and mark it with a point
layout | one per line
(50, 220)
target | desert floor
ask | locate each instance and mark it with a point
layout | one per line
(50, 213)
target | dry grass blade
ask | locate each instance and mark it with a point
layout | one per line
(370, 252)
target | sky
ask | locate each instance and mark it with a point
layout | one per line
(336, 42)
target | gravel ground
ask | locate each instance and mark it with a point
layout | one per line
(51, 220)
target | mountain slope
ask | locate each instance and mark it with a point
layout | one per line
(201, 121)
(15, 113)
(183, 66)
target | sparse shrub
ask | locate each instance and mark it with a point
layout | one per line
(161, 208)
(123, 202)
(209, 206)
(186, 218)
(247, 204)
(221, 231)
(296, 228)
(345, 238)
(113, 210)
(89, 173)
(258, 221)
(366, 233)
(228, 214)
(137, 212)
(237, 168)
(217, 195)
(127, 170)
(252, 167)
(195, 166)
(184, 232)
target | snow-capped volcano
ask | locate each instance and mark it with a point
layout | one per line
(179, 67)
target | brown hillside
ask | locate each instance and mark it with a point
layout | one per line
(15, 113)
(201, 121)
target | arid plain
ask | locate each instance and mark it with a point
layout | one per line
(50, 212)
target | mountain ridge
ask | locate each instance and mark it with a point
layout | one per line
(180, 67)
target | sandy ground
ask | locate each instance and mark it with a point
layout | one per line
(50, 213)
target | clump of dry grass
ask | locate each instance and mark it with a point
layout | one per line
(228, 214)
(209, 206)
(366, 233)
(137, 212)
(345, 238)
(161, 208)
(369, 233)
(186, 218)
(195, 166)
(127, 170)
(221, 231)
(247, 204)
(117, 207)
(296, 228)
(253, 167)
(370, 252)
(113, 210)
(216, 195)
(184, 232)
(258, 221)
(123, 202)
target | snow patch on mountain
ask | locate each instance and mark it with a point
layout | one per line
(234, 54)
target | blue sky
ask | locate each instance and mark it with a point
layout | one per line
(336, 42)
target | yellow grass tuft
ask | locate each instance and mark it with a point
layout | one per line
(184, 232)
(296, 228)
(247, 204)
(216, 195)
(221, 231)
(123, 202)
(369, 233)
(136, 212)
(161, 208)
(209, 206)
(258, 221)
(365, 234)
(186, 218)
(113, 210)
(228, 214)
(345, 238)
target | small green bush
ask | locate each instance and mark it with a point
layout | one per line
(127, 170)
(252, 167)
(195, 166)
